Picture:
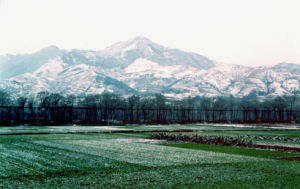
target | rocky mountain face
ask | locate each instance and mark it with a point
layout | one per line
(140, 66)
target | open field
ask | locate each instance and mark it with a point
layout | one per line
(95, 158)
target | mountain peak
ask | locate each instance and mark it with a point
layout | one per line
(139, 38)
(138, 42)
(51, 47)
(49, 50)
(141, 47)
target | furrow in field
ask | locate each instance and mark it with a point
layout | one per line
(110, 154)
(73, 158)
(24, 160)
(50, 160)
(29, 158)
(9, 169)
(175, 155)
(15, 165)
(147, 154)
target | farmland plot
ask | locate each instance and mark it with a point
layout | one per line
(38, 160)
(146, 154)
(128, 160)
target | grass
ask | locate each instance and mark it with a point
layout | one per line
(129, 160)
(235, 150)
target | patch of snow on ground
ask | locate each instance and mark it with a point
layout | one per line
(268, 126)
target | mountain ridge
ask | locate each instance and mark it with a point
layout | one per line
(140, 66)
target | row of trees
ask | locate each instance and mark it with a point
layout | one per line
(48, 108)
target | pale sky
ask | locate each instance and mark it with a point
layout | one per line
(248, 32)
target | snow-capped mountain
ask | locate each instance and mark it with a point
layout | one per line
(142, 48)
(140, 66)
(58, 77)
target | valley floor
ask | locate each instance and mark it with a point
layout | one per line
(125, 157)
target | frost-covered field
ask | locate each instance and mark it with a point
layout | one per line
(79, 128)
(59, 129)
(146, 154)
(131, 160)
(262, 126)
(128, 128)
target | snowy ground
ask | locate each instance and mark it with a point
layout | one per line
(266, 126)
(133, 128)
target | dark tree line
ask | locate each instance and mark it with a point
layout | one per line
(52, 108)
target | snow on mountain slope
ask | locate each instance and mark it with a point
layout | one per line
(238, 81)
(143, 67)
(151, 77)
(13, 65)
(50, 69)
(79, 79)
(212, 82)
(140, 47)
(140, 66)
(138, 43)
(268, 81)
(25, 85)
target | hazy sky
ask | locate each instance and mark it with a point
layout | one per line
(249, 32)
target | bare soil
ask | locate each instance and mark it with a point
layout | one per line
(277, 148)
(288, 158)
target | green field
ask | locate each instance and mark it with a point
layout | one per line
(78, 157)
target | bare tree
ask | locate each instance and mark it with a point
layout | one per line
(4, 101)
(133, 103)
(290, 101)
(20, 110)
(206, 105)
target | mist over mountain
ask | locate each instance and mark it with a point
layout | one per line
(140, 66)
